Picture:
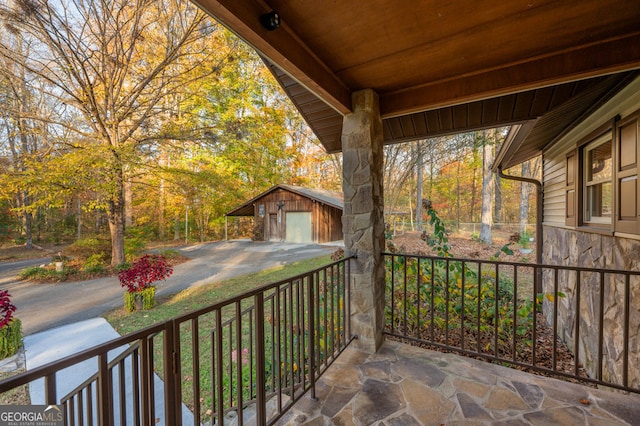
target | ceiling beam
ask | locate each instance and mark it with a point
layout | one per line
(609, 56)
(282, 47)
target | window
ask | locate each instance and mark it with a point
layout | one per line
(602, 186)
(597, 189)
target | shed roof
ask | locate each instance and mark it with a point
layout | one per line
(437, 67)
(330, 198)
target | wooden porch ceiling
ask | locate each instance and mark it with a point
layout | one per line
(438, 67)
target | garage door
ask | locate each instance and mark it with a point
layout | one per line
(298, 229)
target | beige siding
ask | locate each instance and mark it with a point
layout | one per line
(554, 157)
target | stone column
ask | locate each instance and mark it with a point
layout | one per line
(362, 220)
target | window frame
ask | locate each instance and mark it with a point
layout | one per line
(588, 182)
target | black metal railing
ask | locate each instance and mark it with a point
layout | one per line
(247, 359)
(577, 327)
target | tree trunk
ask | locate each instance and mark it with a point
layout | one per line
(525, 191)
(79, 220)
(420, 180)
(473, 186)
(27, 221)
(128, 204)
(116, 214)
(161, 207)
(497, 209)
(487, 188)
(176, 227)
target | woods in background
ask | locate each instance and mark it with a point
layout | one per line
(144, 119)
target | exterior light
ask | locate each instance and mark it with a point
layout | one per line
(270, 20)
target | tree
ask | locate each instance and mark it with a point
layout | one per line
(112, 63)
(488, 138)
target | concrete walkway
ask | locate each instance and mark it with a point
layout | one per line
(407, 385)
(52, 345)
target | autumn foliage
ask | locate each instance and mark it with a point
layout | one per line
(144, 272)
(6, 308)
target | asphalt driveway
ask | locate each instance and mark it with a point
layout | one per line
(44, 306)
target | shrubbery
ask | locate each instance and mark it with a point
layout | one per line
(10, 327)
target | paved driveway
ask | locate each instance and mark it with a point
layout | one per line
(43, 306)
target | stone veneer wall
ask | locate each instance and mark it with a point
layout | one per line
(574, 248)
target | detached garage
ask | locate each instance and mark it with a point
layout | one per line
(295, 214)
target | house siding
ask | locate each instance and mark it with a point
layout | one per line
(576, 246)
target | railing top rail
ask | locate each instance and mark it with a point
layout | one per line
(54, 366)
(519, 264)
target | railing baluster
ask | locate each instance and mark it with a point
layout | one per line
(72, 409)
(90, 406)
(312, 343)
(534, 337)
(554, 361)
(104, 392)
(432, 307)
(279, 347)
(418, 285)
(219, 383)
(404, 291)
(122, 401)
(50, 389)
(172, 387)
(625, 338)
(261, 399)
(600, 327)
(80, 410)
(576, 337)
(291, 342)
(462, 311)
(446, 309)
(135, 386)
(479, 308)
(496, 318)
(393, 293)
(195, 369)
(238, 363)
(514, 347)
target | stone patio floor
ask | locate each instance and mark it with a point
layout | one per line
(406, 385)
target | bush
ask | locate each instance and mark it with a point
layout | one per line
(94, 261)
(147, 297)
(138, 280)
(33, 273)
(170, 253)
(85, 248)
(10, 338)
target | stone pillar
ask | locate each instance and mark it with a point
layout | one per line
(362, 220)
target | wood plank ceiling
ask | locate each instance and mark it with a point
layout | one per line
(439, 67)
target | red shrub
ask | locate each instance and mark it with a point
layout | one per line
(6, 308)
(144, 272)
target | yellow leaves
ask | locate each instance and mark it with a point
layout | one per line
(549, 297)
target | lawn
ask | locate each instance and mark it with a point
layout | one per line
(196, 298)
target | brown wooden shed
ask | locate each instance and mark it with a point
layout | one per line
(295, 214)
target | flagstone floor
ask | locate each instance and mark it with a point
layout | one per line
(406, 385)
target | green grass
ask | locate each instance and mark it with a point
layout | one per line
(196, 298)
